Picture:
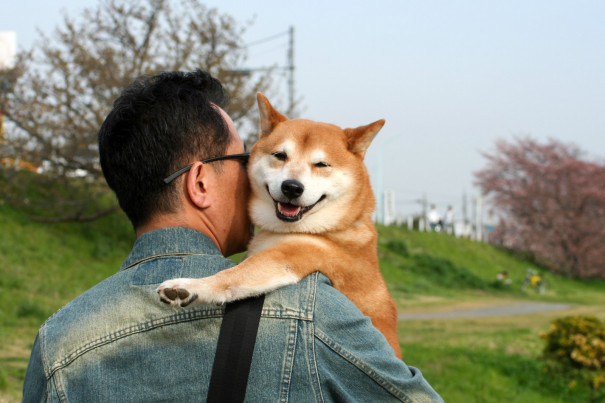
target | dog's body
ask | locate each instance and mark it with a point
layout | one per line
(312, 201)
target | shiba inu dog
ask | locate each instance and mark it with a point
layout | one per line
(312, 201)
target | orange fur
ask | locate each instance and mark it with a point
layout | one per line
(335, 237)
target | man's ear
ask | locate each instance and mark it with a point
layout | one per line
(197, 185)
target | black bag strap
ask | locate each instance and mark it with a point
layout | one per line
(234, 350)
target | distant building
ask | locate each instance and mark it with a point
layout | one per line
(390, 215)
(8, 49)
(8, 54)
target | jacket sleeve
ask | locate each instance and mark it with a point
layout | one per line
(34, 387)
(354, 360)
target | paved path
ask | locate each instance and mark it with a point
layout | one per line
(521, 308)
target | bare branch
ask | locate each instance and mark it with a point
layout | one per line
(57, 99)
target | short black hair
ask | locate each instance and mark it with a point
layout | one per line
(158, 125)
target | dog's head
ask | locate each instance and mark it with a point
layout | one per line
(308, 176)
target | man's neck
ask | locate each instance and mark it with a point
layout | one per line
(164, 221)
(160, 222)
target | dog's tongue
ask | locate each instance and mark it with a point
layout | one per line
(288, 209)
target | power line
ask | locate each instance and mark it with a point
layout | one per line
(289, 68)
(266, 51)
(267, 39)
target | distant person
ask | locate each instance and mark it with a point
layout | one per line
(177, 165)
(502, 278)
(434, 219)
(448, 221)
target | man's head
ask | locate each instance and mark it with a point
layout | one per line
(160, 124)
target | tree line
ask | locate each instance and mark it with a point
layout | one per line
(550, 197)
(59, 92)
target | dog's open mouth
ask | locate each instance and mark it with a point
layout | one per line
(290, 212)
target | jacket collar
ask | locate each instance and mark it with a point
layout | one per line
(170, 241)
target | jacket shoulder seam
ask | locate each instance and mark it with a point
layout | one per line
(186, 316)
(160, 255)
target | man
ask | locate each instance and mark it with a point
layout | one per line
(118, 342)
(434, 219)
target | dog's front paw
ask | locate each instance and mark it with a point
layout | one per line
(184, 291)
(175, 292)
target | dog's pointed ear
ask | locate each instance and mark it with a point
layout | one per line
(360, 138)
(269, 117)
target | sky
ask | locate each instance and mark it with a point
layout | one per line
(450, 77)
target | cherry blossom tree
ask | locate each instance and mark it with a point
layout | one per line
(552, 204)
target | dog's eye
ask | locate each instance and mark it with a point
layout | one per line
(280, 156)
(322, 165)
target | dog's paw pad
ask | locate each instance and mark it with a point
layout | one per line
(174, 293)
(176, 296)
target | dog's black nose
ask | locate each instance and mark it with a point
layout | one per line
(292, 188)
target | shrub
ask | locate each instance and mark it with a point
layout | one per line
(575, 349)
(576, 340)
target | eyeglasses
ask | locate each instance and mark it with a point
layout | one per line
(241, 157)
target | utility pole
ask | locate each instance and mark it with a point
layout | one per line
(379, 181)
(425, 206)
(464, 209)
(290, 68)
(479, 219)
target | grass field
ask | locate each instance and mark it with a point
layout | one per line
(494, 359)
(43, 266)
(485, 359)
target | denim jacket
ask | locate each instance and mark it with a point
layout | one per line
(117, 341)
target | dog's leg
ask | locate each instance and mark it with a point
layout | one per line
(284, 264)
(269, 269)
(238, 282)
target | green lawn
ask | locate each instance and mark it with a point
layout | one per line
(493, 359)
(43, 266)
(488, 359)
